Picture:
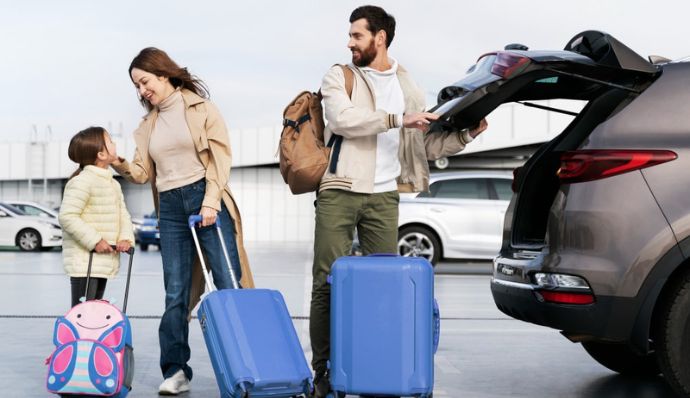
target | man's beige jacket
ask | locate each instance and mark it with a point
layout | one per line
(358, 121)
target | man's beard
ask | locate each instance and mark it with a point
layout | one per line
(366, 56)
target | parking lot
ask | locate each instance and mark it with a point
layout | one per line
(482, 352)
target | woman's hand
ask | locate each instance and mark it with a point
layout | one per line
(118, 161)
(123, 246)
(103, 247)
(208, 216)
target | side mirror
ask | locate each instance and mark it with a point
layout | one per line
(3, 214)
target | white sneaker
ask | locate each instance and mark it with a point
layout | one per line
(174, 384)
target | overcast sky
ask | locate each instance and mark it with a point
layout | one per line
(64, 63)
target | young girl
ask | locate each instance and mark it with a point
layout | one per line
(93, 215)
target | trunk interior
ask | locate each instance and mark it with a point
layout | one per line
(537, 182)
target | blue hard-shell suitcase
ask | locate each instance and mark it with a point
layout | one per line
(251, 340)
(384, 326)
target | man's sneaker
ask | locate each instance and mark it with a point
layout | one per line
(322, 385)
(174, 384)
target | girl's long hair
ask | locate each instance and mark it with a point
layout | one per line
(84, 147)
(158, 62)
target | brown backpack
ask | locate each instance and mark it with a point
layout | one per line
(303, 153)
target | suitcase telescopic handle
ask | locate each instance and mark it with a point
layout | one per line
(129, 275)
(437, 325)
(193, 221)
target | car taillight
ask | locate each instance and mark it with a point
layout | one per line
(508, 64)
(566, 298)
(588, 165)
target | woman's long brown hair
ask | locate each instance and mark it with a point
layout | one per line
(158, 62)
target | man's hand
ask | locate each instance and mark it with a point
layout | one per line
(475, 131)
(103, 247)
(419, 121)
(208, 216)
(123, 246)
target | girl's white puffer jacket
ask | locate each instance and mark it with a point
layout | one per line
(93, 208)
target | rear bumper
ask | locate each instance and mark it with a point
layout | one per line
(608, 318)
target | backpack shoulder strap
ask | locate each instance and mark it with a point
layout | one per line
(336, 140)
(349, 79)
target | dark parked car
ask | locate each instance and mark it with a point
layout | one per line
(597, 234)
(146, 231)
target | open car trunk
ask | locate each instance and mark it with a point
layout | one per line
(596, 68)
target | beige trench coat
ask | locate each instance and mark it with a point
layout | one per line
(212, 144)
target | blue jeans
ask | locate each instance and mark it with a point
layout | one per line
(178, 253)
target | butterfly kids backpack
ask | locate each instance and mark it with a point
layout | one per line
(93, 350)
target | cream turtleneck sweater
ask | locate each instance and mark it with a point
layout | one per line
(171, 147)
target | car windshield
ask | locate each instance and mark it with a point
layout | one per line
(14, 210)
(32, 210)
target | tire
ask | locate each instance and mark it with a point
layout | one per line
(622, 359)
(28, 240)
(144, 246)
(419, 241)
(672, 337)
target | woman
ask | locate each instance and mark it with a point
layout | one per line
(183, 150)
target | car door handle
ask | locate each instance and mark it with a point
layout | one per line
(437, 210)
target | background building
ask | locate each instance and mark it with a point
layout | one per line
(37, 169)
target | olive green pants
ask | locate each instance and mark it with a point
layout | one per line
(338, 212)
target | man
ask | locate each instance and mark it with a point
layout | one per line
(384, 151)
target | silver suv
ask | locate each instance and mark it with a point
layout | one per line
(597, 234)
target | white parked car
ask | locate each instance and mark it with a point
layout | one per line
(29, 233)
(461, 217)
(33, 209)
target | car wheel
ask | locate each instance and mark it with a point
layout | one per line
(28, 240)
(419, 242)
(144, 247)
(622, 359)
(672, 336)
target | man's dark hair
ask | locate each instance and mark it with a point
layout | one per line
(377, 19)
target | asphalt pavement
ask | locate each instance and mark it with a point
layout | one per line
(482, 352)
